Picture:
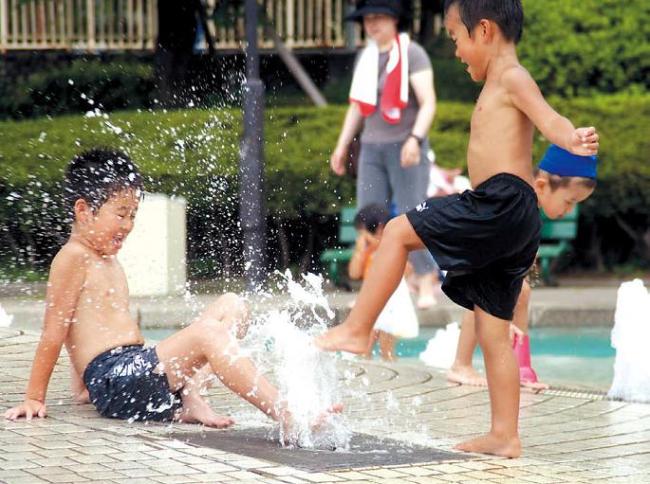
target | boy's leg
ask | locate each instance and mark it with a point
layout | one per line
(384, 276)
(387, 346)
(503, 386)
(528, 379)
(462, 370)
(209, 340)
(371, 344)
(521, 317)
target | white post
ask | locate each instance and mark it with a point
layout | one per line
(152, 22)
(4, 25)
(290, 23)
(90, 23)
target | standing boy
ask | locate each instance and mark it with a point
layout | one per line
(487, 238)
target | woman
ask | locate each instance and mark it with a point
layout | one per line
(392, 96)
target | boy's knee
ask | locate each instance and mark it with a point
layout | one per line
(395, 228)
(211, 329)
(229, 299)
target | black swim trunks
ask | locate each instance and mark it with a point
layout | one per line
(486, 239)
(122, 384)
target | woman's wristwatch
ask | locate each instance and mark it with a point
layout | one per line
(419, 139)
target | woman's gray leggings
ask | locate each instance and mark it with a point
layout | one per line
(381, 179)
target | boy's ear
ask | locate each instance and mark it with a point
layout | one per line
(540, 183)
(82, 211)
(486, 29)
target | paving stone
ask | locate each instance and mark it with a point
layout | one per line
(567, 437)
(384, 473)
(68, 477)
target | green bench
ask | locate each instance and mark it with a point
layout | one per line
(336, 260)
(556, 241)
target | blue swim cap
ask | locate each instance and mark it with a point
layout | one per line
(559, 161)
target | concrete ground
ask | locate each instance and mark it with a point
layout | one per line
(567, 436)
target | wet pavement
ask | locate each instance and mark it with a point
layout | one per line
(568, 436)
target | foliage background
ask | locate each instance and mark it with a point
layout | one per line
(592, 58)
(194, 154)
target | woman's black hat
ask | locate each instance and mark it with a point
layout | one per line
(367, 7)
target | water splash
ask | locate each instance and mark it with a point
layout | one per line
(5, 319)
(630, 337)
(306, 377)
(441, 349)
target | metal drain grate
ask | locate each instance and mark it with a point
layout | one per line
(365, 451)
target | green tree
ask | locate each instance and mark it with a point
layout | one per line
(578, 48)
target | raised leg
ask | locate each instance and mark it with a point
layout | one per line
(503, 386)
(383, 278)
(462, 371)
(211, 340)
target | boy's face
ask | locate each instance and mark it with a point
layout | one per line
(106, 228)
(468, 49)
(557, 203)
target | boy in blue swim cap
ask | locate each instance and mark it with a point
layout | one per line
(561, 181)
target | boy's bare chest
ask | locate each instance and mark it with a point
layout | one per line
(106, 284)
(494, 115)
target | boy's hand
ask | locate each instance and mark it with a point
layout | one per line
(584, 142)
(28, 409)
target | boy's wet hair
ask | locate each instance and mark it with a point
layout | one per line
(371, 217)
(97, 174)
(507, 14)
(557, 181)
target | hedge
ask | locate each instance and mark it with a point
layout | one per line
(194, 153)
(579, 48)
(81, 86)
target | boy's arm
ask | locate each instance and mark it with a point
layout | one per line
(527, 97)
(67, 276)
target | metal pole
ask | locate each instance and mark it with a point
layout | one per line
(251, 168)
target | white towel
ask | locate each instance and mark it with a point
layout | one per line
(394, 96)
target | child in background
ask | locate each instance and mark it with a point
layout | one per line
(398, 319)
(557, 172)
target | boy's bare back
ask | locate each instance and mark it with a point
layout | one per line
(101, 318)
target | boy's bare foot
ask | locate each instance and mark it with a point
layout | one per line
(466, 375)
(81, 398)
(343, 337)
(493, 445)
(536, 386)
(285, 419)
(197, 410)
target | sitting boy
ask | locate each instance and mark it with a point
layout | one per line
(486, 238)
(88, 311)
(556, 173)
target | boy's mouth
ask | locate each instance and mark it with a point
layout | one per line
(117, 241)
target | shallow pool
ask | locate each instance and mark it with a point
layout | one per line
(576, 357)
(580, 356)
